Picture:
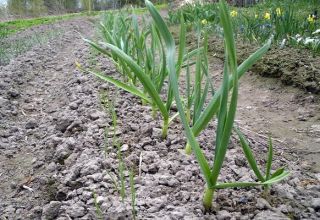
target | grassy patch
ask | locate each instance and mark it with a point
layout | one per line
(11, 49)
(10, 27)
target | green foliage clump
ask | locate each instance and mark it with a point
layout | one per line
(147, 56)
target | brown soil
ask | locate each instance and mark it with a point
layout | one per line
(292, 66)
(52, 141)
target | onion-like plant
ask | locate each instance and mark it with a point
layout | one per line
(145, 61)
(226, 112)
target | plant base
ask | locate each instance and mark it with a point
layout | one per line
(207, 199)
(188, 149)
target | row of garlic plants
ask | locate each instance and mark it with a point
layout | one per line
(151, 67)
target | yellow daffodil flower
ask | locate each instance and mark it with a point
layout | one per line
(204, 22)
(234, 13)
(311, 19)
(267, 16)
(278, 11)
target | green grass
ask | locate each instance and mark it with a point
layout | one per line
(12, 48)
(11, 27)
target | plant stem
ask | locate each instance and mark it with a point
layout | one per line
(207, 199)
(266, 191)
(165, 128)
(188, 149)
(154, 112)
(188, 115)
(143, 102)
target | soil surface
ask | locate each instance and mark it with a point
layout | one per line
(58, 162)
(296, 67)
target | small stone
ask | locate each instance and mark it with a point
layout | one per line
(124, 147)
(134, 127)
(73, 106)
(95, 115)
(156, 133)
(223, 215)
(51, 210)
(59, 68)
(262, 204)
(13, 185)
(31, 124)
(100, 200)
(51, 167)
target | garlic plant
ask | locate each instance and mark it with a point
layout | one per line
(218, 104)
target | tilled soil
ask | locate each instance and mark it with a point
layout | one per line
(55, 158)
(296, 67)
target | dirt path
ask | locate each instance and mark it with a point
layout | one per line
(291, 116)
(52, 139)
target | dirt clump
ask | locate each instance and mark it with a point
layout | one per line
(292, 66)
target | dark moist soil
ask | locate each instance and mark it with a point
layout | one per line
(292, 66)
(54, 155)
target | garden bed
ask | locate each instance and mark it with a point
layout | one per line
(58, 160)
(293, 66)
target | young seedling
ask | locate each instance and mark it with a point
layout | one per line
(97, 207)
(133, 195)
(121, 170)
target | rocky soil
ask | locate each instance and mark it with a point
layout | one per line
(57, 159)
